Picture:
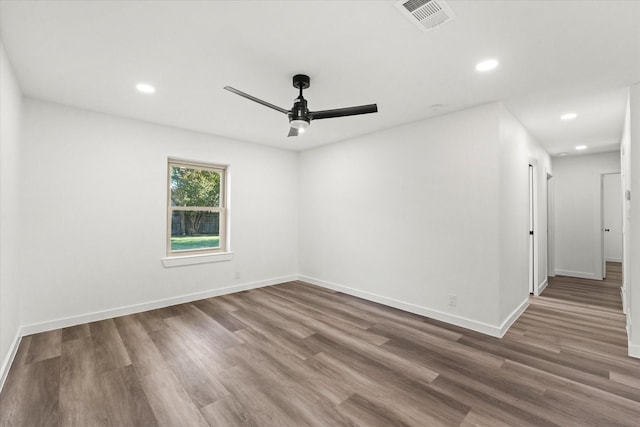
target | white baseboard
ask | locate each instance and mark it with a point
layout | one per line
(578, 274)
(513, 317)
(485, 328)
(542, 286)
(65, 322)
(613, 259)
(8, 360)
(634, 350)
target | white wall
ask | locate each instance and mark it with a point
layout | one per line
(630, 154)
(411, 215)
(578, 249)
(94, 216)
(10, 127)
(513, 213)
(518, 149)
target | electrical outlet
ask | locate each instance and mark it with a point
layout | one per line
(453, 300)
(237, 274)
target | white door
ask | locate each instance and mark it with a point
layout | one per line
(551, 266)
(531, 231)
(612, 217)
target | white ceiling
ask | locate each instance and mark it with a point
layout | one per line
(555, 56)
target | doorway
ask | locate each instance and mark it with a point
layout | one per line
(611, 219)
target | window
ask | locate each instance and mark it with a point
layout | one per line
(196, 211)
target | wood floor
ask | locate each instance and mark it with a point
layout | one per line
(298, 355)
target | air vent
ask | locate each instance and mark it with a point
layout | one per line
(426, 14)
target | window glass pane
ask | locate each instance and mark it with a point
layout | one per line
(192, 230)
(194, 187)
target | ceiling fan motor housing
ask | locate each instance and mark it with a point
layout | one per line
(299, 112)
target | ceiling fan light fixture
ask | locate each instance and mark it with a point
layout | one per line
(299, 124)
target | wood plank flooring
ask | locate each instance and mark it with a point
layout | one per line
(299, 355)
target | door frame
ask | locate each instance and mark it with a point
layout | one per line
(551, 230)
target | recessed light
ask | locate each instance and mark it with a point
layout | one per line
(564, 153)
(568, 116)
(581, 147)
(486, 65)
(145, 88)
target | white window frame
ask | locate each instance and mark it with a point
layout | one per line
(222, 209)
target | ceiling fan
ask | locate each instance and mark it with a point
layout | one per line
(299, 115)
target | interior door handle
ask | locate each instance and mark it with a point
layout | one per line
(606, 229)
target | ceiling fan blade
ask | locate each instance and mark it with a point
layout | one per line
(254, 99)
(293, 132)
(342, 112)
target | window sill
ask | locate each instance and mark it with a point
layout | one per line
(179, 261)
